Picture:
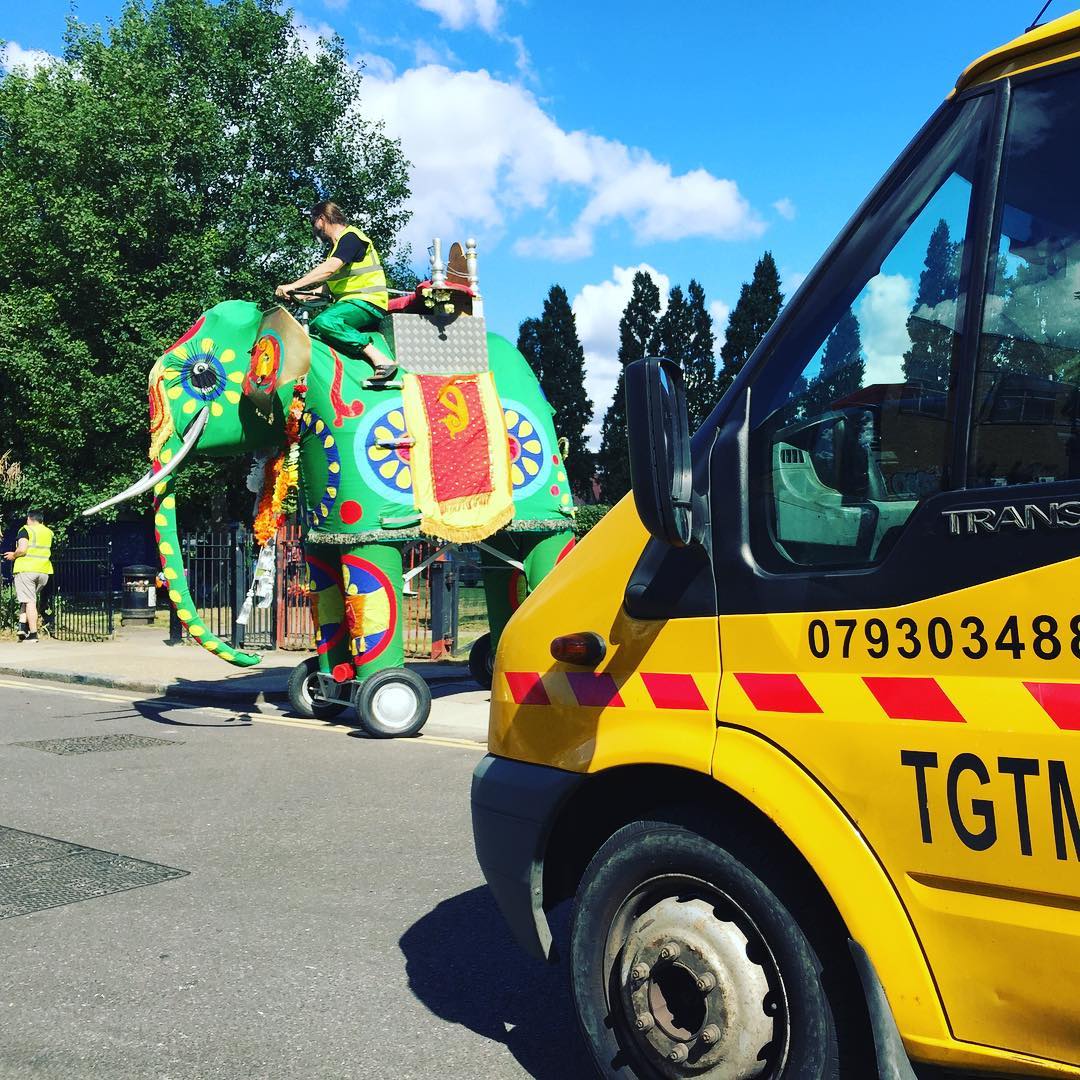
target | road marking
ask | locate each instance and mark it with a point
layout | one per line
(165, 704)
(65, 690)
(440, 740)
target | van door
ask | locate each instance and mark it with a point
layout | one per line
(901, 612)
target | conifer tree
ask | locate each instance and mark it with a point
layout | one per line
(843, 367)
(637, 337)
(759, 304)
(528, 344)
(562, 378)
(929, 358)
(699, 368)
(674, 332)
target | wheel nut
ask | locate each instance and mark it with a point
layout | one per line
(639, 972)
(710, 1035)
(670, 951)
(707, 982)
(678, 1054)
(644, 1021)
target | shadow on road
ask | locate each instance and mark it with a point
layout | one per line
(464, 966)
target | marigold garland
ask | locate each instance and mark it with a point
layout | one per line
(280, 476)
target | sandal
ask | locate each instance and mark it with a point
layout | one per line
(383, 367)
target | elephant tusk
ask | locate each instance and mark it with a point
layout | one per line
(191, 437)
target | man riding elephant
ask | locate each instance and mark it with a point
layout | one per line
(354, 276)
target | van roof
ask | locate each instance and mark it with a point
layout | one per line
(1047, 44)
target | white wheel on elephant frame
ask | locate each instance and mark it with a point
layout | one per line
(393, 704)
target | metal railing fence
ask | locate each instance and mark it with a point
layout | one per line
(443, 608)
(78, 603)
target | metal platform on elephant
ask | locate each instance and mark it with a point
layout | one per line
(436, 345)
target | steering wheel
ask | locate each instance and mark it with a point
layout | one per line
(305, 302)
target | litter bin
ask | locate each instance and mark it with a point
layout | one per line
(139, 598)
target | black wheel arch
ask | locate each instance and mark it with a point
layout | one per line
(614, 798)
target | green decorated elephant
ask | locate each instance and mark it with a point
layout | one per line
(459, 446)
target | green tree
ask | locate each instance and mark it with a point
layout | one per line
(929, 358)
(700, 365)
(154, 171)
(684, 334)
(759, 304)
(528, 344)
(637, 337)
(674, 330)
(843, 367)
(553, 350)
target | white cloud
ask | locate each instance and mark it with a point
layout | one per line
(425, 52)
(308, 35)
(719, 312)
(597, 311)
(376, 67)
(459, 14)
(13, 57)
(883, 314)
(503, 155)
(785, 208)
(791, 279)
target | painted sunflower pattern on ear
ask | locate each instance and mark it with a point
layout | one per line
(198, 373)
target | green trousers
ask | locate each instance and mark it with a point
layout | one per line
(346, 325)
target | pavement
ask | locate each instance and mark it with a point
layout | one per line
(233, 894)
(143, 660)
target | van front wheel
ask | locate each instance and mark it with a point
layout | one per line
(684, 963)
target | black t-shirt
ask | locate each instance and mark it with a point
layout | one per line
(351, 249)
(24, 534)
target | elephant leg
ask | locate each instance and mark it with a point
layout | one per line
(505, 586)
(326, 598)
(372, 576)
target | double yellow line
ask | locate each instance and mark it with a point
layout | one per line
(164, 704)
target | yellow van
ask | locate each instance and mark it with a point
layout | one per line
(798, 726)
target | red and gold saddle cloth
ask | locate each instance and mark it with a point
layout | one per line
(461, 458)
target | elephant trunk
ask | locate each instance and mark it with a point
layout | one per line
(173, 567)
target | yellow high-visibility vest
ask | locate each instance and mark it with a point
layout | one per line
(364, 280)
(37, 559)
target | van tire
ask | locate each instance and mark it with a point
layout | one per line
(660, 867)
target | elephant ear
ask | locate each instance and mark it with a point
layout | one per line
(281, 355)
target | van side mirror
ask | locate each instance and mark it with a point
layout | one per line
(658, 432)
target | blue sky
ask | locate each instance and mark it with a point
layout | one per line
(579, 141)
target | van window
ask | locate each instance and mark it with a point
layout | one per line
(856, 426)
(1026, 389)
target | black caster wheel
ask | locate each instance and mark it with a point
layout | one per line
(303, 686)
(482, 661)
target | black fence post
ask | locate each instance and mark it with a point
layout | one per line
(109, 625)
(437, 587)
(455, 581)
(239, 590)
(176, 627)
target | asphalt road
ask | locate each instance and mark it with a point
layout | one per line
(331, 920)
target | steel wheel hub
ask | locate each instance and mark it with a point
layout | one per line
(693, 998)
(394, 705)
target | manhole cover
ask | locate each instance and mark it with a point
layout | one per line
(37, 872)
(90, 744)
